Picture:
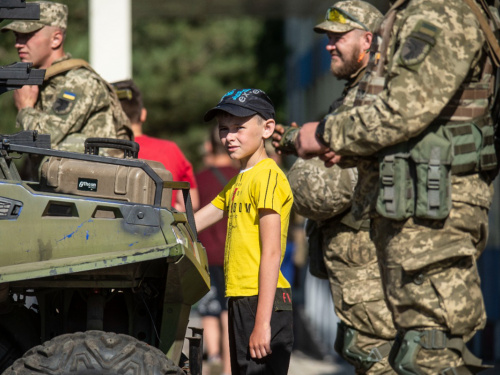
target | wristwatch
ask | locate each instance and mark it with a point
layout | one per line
(320, 133)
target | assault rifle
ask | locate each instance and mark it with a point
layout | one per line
(16, 75)
(19, 10)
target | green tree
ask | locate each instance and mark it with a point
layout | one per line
(182, 65)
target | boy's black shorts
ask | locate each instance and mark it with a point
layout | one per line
(242, 311)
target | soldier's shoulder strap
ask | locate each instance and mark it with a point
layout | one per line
(65, 66)
(491, 39)
(122, 123)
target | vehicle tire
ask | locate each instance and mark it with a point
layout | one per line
(94, 353)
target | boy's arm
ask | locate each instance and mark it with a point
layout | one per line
(195, 200)
(270, 237)
(207, 216)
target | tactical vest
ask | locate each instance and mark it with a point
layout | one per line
(120, 120)
(347, 218)
(415, 176)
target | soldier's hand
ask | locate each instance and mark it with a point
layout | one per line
(26, 97)
(278, 132)
(330, 158)
(306, 143)
(283, 138)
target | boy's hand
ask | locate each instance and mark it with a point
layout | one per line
(260, 341)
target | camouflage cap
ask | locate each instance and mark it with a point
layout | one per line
(51, 14)
(347, 15)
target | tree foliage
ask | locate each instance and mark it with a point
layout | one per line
(187, 65)
(183, 66)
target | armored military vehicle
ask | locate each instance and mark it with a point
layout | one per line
(97, 272)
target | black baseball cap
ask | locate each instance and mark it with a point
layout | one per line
(243, 103)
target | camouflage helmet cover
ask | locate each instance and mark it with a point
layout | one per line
(347, 15)
(51, 14)
(319, 193)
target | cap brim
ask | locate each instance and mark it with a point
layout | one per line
(23, 27)
(334, 27)
(232, 109)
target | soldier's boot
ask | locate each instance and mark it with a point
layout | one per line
(433, 352)
(368, 354)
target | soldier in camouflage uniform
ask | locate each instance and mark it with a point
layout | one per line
(323, 195)
(74, 102)
(424, 126)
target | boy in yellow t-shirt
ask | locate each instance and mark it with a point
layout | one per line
(258, 202)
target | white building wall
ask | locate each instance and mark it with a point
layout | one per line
(110, 27)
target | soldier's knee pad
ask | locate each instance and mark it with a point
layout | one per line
(403, 358)
(346, 345)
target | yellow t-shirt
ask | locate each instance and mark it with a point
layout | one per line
(262, 186)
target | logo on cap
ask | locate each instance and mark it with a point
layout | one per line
(243, 103)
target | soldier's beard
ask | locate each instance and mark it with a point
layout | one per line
(347, 65)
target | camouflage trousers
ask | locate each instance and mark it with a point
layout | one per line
(431, 279)
(358, 297)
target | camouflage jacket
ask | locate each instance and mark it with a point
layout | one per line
(73, 106)
(322, 193)
(435, 46)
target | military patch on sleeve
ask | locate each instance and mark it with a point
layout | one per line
(64, 103)
(418, 45)
(69, 95)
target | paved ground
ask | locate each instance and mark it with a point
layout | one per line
(301, 364)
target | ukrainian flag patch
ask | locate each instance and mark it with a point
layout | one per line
(69, 95)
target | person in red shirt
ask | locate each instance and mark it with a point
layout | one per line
(164, 151)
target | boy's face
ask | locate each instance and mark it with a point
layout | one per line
(243, 137)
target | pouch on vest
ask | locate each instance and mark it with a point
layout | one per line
(432, 156)
(396, 194)
(484, 140)
(488, 156)
(473, 146)
(465, 139)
